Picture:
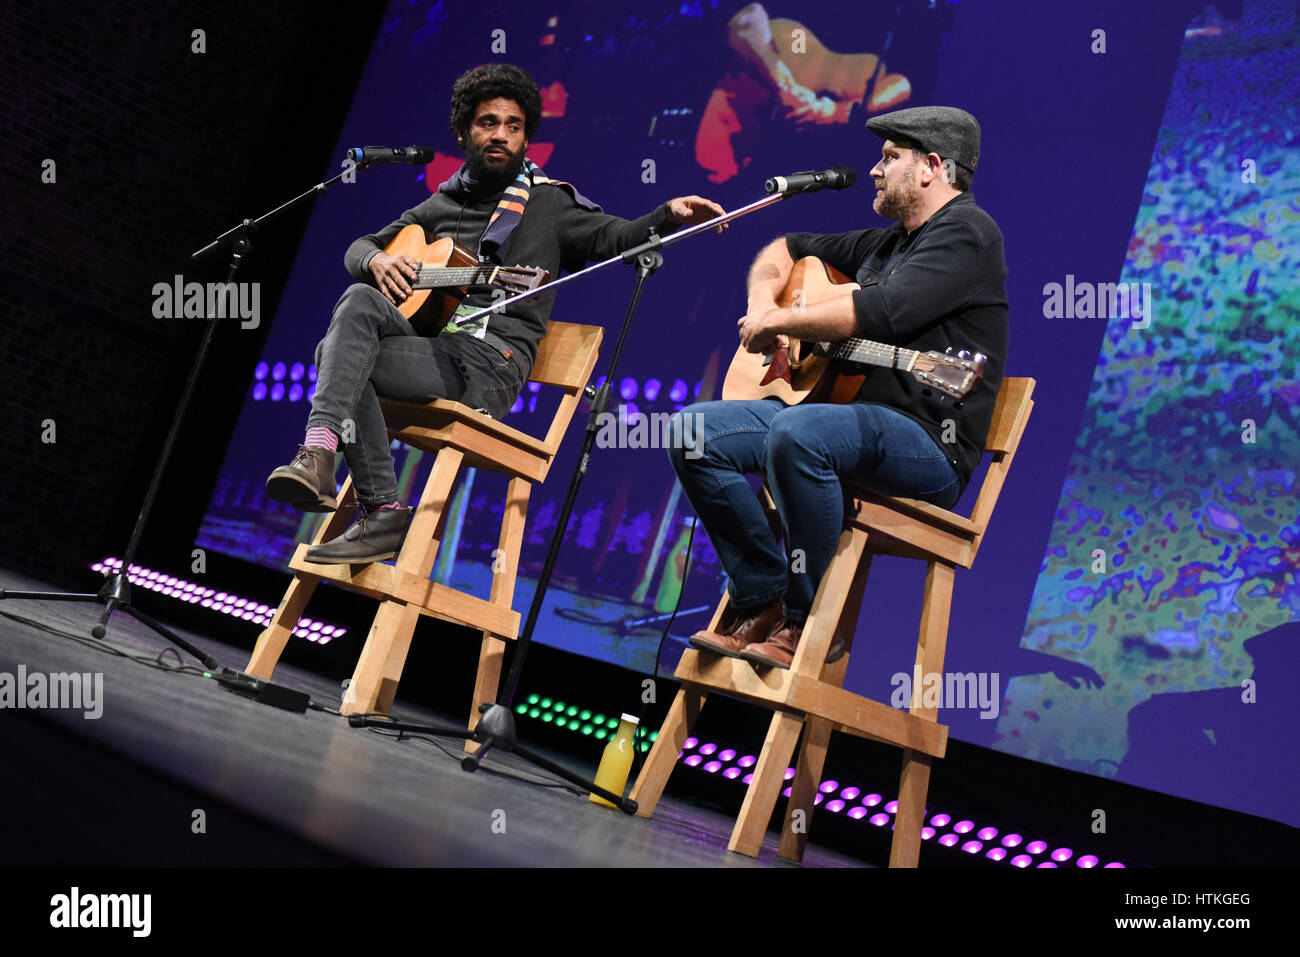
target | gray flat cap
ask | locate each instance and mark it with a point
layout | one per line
(952, 133)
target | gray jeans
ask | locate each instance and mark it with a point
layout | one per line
(371, 349)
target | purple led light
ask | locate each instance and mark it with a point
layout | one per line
(1062, 854)
(709, 748)
(295, 392)
(206, 602)
(949, 839)
(857, 813)
(880, 820)
(1113, 864)
(731, 773)
(693, 760)
(311, 372)
(678, 392)
(964, 827)
(295, 372)
(850, 793)
(1088, 860)
(1021, 860)
(277, 392)
(690, 743)
(311, 392)
(818, 798)
(835, 806)
(1048, 864)
(785, 793)
(713, 767)
(627, 388)
(652, 387)
(261, 370)
(789, 774)
(927, 832)
(829, 787)
(871, 800)
(727, 755)
(518, 406)
(996, 854)
(1011, 840)
(277, 371)
(972, 847)
(748, 761)
(1036, 847)
(940, 820)
(747, 778)
(891, 807)
(987, 833)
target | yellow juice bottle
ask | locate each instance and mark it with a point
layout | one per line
(617, 760)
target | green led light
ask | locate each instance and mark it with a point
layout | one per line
(598, 719)
(654, 735)
(521, 709)
(533, 699)
(612, 724)
(534, 713)
(560, 706)
(601, 734)
(585, 714)
(548, 717)
(587, 729)
(545, 702)
(572, 710)
(645, 748)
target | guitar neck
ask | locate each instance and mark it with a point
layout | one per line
(868, 352)
(439, 277)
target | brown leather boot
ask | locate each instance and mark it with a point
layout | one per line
(738, 630)
(307, 483)
(778, 650)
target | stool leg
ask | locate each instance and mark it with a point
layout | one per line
(803, 790)
(913, 786)
(769, 775)
(505, 570)
(270, 644)
(652, 780)
(389, 637)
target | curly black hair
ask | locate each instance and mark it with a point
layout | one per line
(487, 83)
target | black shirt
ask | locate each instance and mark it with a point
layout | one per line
(554, 234)
(942, 286)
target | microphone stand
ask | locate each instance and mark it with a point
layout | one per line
(116, 592)
(496, 729)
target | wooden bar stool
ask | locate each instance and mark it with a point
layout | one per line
(810, 697)
(458, 436)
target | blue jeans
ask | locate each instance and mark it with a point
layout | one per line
(371, 349)
(802, 451)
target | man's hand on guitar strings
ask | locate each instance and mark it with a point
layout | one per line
(758, 331)
(393, 275)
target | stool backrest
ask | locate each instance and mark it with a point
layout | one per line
(1010, 416)
(566, 358)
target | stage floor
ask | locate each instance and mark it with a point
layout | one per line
(278, 788)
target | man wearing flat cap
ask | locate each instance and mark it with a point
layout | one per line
(935, 280)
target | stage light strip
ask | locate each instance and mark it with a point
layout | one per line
(711, 758)
(225, 602)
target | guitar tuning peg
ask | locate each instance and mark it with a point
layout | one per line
(964, 354)
(948, 350)
(980, 357)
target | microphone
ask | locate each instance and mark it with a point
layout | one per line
(371, 155)
(837, 177)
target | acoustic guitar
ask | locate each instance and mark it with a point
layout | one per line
(445, 272)
(826, 371)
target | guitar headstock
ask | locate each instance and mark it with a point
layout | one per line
(957, 375)
(517, 279)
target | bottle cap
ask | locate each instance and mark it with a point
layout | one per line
(631, 717)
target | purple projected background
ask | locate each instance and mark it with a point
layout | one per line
(683, 85)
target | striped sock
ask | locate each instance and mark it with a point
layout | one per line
(322, 438)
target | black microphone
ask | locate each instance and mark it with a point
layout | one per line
(371, 155)
(837, 177)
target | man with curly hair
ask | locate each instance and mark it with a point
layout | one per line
(498, 204)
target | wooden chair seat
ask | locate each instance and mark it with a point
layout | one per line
(458, 437)
(809, 698)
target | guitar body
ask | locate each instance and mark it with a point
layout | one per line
(812, 377)
(439, 253)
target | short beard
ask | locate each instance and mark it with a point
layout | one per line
(900, 202)
(494, 177)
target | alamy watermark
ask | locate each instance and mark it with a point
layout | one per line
(652, 430)
(179, 299)
(75, 910)
(953, 690)
(82, 691)
(1100, 300)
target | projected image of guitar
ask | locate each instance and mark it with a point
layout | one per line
(826, 371)
(445, 272)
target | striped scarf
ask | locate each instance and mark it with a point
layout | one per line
(510, 210)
